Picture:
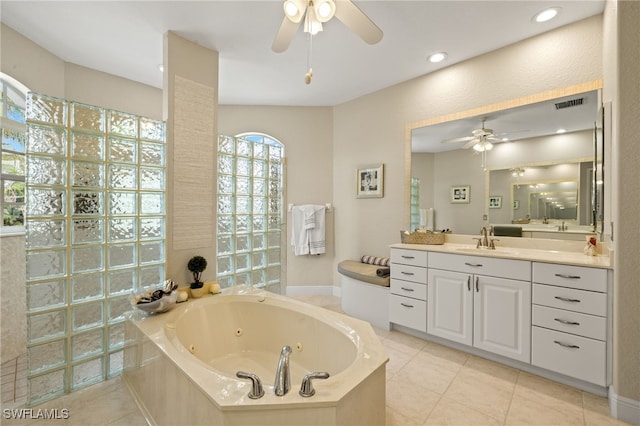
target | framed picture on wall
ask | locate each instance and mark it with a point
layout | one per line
(460, 194)
(370, 182)
(495, 202)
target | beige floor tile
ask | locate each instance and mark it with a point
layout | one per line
(452, 413)
(434, 367)
(405, 341)
(477, 388)
(486, 368)
(525, 411)
(547, 392)
(398, 358)
(596, 411)
(413, 402)
(394, 418)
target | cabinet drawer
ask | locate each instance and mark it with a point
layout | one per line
(408, 312)
(409, 289)
(409, 257)
(587, 302)
(580, 277)
(504, 268)
(574, 356)
(570, 322)
(415, 274)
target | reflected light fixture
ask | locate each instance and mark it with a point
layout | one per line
(560, 131)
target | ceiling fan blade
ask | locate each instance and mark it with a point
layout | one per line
(357, 21)
(285, 34)
(471, 143)
(462, 139)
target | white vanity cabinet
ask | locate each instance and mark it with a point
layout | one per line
(482, 302)
(408, 298)
(570, 321)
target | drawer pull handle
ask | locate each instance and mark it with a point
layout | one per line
(474, 265)
(408, 257)
(566, 299)
(407, 289)
(566, 345)
(406, 273)
(571, 277)
(562, 321)
(406, 305)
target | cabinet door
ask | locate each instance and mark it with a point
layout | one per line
(502, 317)
(449, 305)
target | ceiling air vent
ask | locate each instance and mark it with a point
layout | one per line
(570, 103)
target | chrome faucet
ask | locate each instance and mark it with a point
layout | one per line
(485, 240)
(562, 227)
(283, 376)
(256, 385)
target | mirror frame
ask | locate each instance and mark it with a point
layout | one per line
(480, 111)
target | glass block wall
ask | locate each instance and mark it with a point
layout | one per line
(95, 215)
(415, 204)
(12, 167)
(250, 190)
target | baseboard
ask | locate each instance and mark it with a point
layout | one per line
(314, 290)
(625, 409)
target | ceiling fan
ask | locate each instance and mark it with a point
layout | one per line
(315, 13)
(481, 140)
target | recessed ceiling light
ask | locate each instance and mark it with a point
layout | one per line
(546, 14)
(561, 131)
(437, 57)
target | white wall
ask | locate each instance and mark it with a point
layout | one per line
(372, 129)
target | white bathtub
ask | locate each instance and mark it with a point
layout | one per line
(183, 368)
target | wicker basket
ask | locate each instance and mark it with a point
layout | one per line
(427, 237)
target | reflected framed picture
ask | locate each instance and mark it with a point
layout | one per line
(370, 182)
(495, 201)
(516, 204)
(460, 194)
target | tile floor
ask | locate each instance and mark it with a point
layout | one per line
(427, 384)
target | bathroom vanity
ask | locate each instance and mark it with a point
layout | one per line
(539, 305)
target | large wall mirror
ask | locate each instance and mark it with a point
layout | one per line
(533, 162)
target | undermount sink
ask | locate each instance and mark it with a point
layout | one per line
(484, 251)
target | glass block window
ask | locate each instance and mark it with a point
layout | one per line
(250, 191)
(95, 232)
(415, 204)
(13, 165)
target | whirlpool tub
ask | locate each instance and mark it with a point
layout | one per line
(181, 366)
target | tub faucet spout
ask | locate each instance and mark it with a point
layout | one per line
(283, 376)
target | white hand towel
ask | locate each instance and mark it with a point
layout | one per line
(317, 243)
(308, 229)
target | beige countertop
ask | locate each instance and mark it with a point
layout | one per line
(536, 250)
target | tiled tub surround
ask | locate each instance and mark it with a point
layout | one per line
(539, 305)
(195, 350)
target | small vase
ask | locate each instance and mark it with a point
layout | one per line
(199, 292)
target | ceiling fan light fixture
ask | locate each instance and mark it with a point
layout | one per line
(311, 23)
(546, 15)
(294, 10)
(483, 146)
(324, 9)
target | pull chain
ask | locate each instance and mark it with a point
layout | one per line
(309, 74)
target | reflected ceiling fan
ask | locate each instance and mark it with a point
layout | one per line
(481, 140)
(315, 13)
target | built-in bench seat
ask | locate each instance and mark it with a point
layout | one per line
(365, 295)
